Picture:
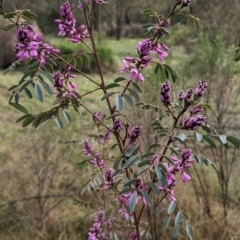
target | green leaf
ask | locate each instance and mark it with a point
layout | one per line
(79, 62)
(107, 95)
(38, 119)
(8, 26)
(199, 136)
(49, 77)
(77, 109)
(132, 202)
(209, 140)
(28, 120)
(114, 145)
(199, 159)
(134, 93)
(154, 188)
(108, 214)
(131, 161)
(23, 117)
(188, 225)
(119, 79)
(28, 93)
(129, 152)
(112, 85)
(148, 154)
(59, 122)
(117, 162)
(38, 93)
(175, 231)
(178, 218)
(223, 139)
(154, 145)
(137, 87)
(13, 87)
(171, 207)
(16, 96)
(128, 99)
(114, 115)
(25, 84)
(119, 103)
(181, 138)
(145, 162)
(67, 116)
(158, 172)
(166, 222)
(10, 15)
(147, 198)
(175, 150)
(33, 65)
(19, 107)
(206, 128)
(233, 140)
(142, 169)
(29, 14)
(172, 72)
(45, 85)
(131, 182)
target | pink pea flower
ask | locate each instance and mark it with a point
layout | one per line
(185, 177)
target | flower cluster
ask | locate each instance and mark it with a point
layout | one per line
(154, 160)
(97, 160)
(67, 25)
(97, 230)
(135, 133)
(117, 125)
(179, 165)
(123, 200)
(31, 45)
(165, 92)
(109, 179)
(144, 49)
(193, 122)
(200, 90)
(196, 109)
(106, 137)
(64, 87)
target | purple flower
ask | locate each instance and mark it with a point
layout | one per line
(186, 153)
(154, 160)
(67, 25)
(133, 235)
(186, 3)
(165, 92)
(97, 161)
(96, 232)
(134, 73)
(200, 90)
(135, 133)
(193, 123)
(106, 137)
(87, 148)
(63, 87)
(185, 177)
(188, 95)
(31, 46)
(181, 95)
(196, 109)
(170, 176)
(97, 117)
(117, 125)
(109, 179)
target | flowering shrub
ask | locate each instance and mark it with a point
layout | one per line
(139, 181)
